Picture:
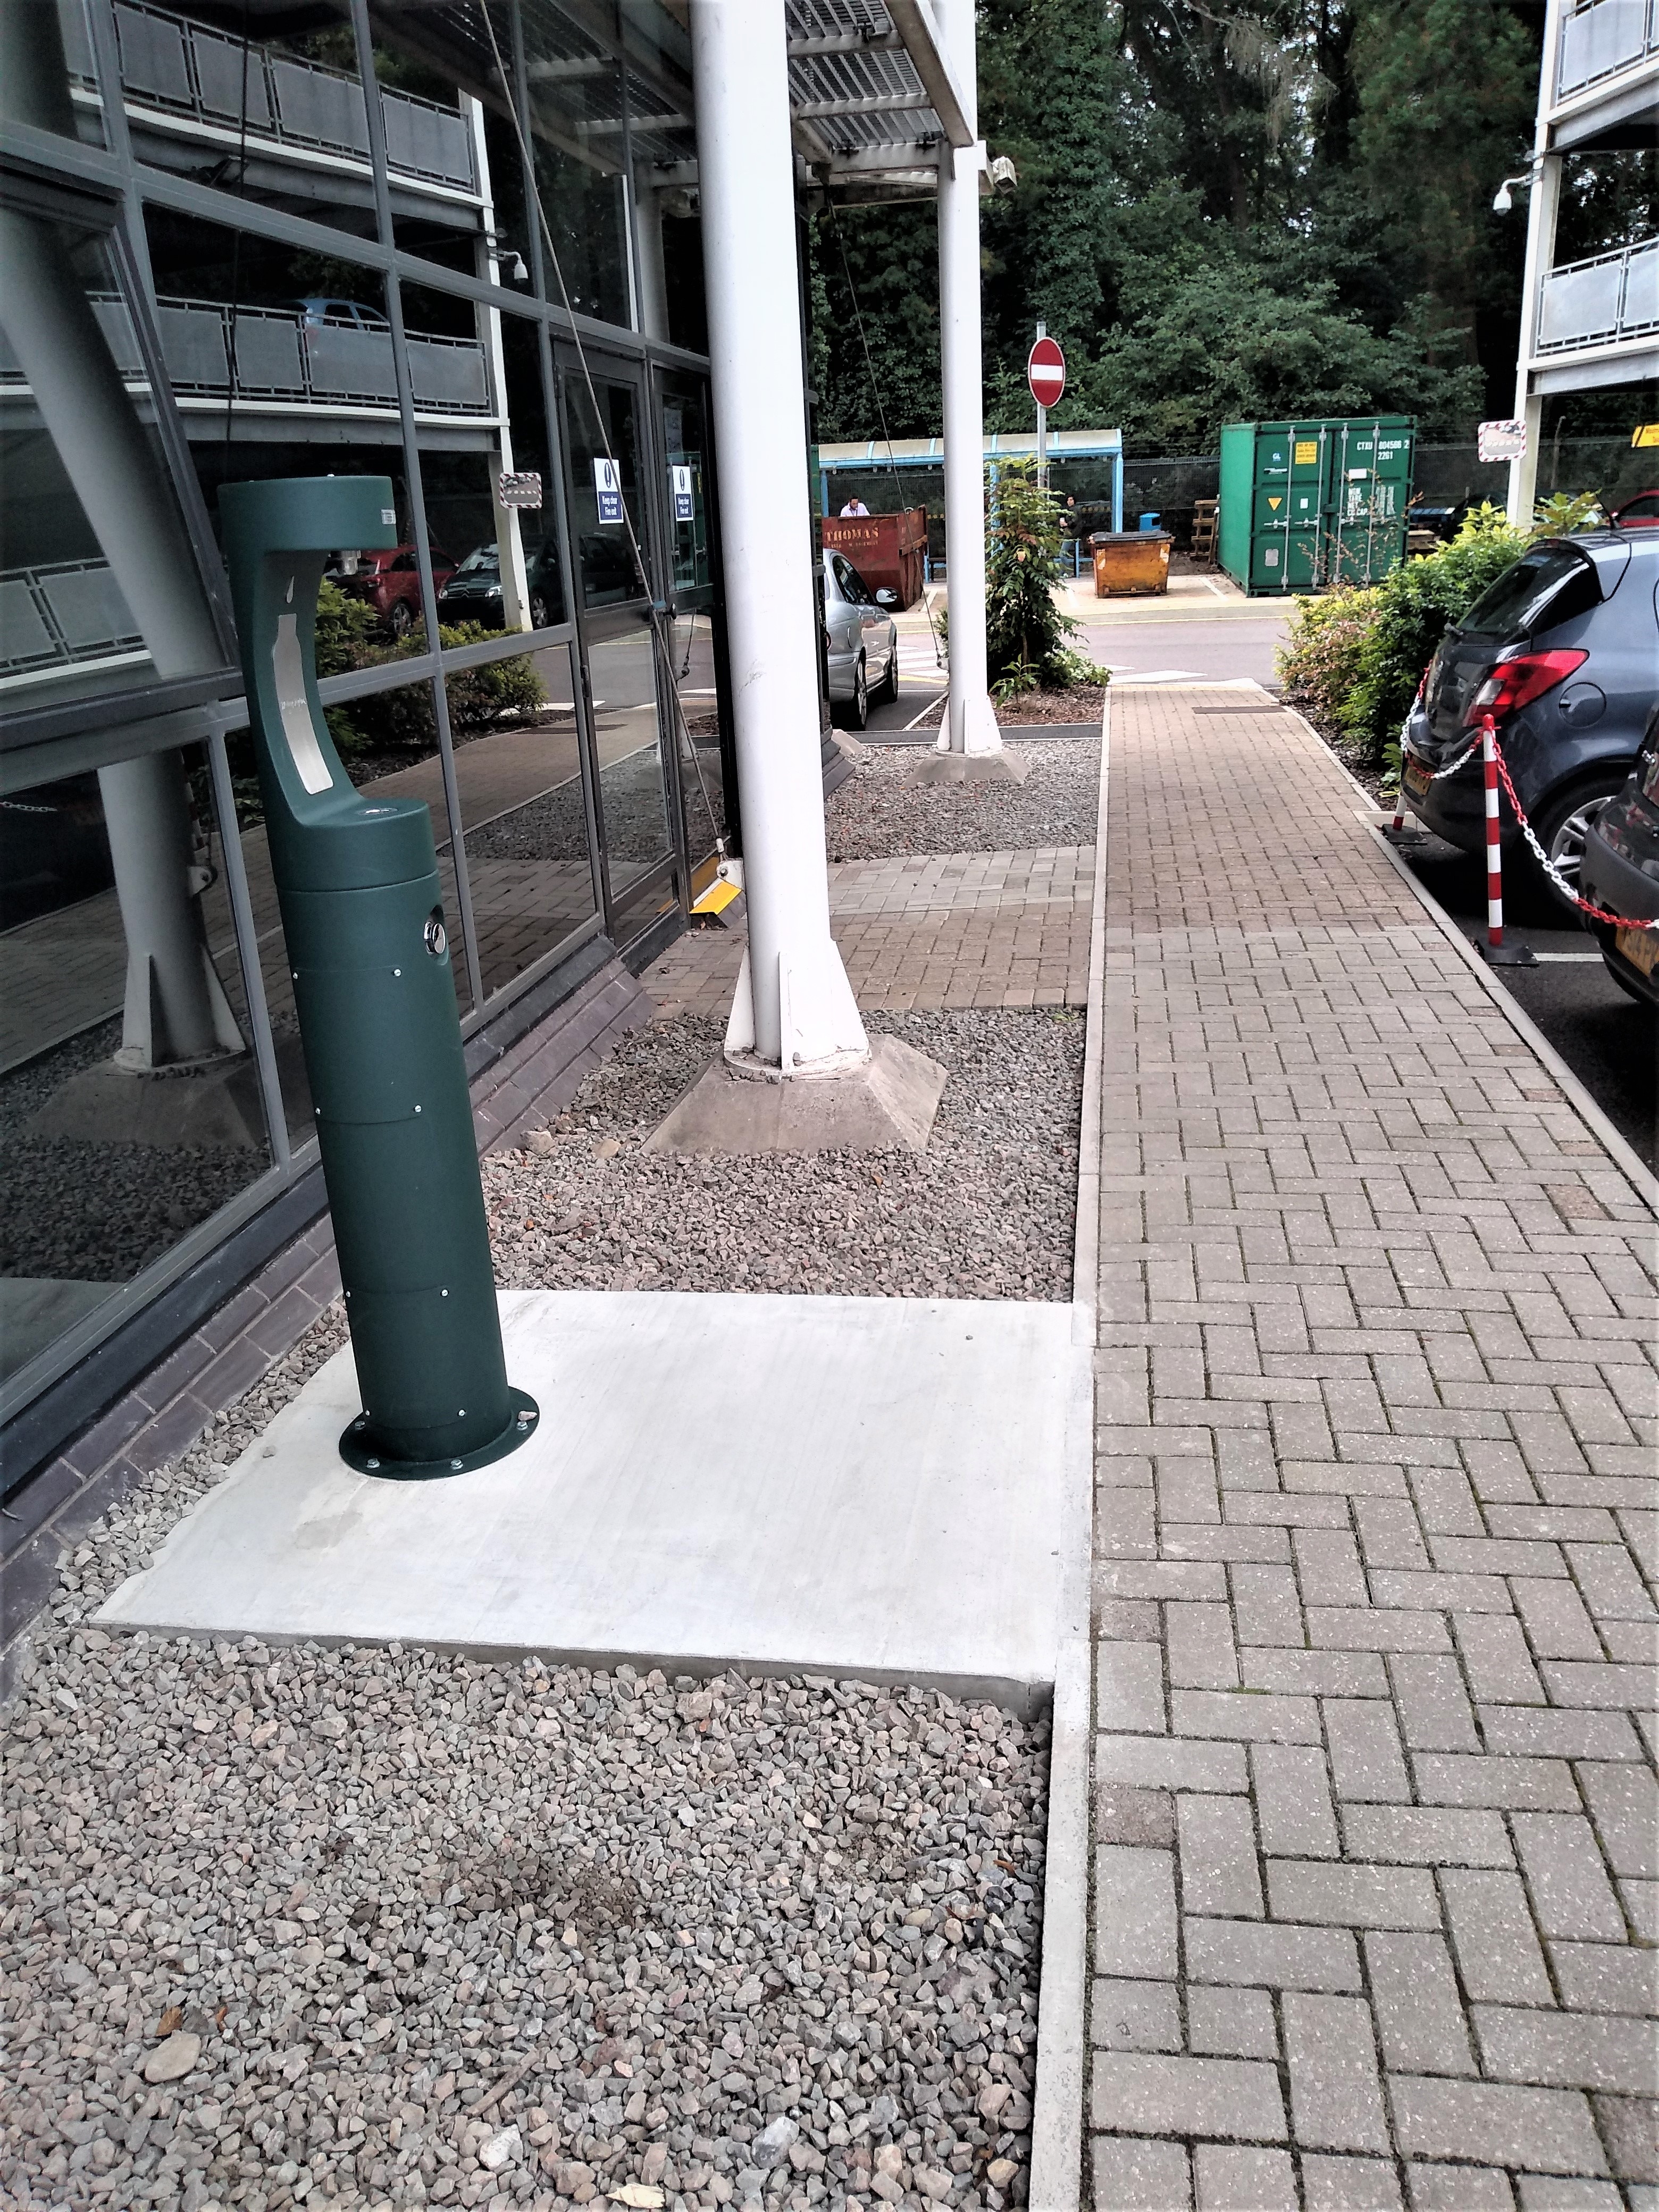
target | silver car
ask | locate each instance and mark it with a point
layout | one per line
(863, 642)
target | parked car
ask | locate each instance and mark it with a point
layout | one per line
(317, 309)
(1641, 513)
(473, 593)
(862, 641)
(391, 582)
(1621, 872)
(1562, 650)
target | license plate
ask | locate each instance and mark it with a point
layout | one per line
(1639, 946)
(1418, 778)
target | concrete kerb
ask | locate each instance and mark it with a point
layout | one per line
(1642, 1179)
(1056, 2175)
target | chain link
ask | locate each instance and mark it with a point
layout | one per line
(1600, 914)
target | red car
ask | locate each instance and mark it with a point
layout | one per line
(391, 583)
(1641, 513)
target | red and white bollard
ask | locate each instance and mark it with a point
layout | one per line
(1494, 950)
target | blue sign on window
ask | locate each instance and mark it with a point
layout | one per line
(607, 486)
(684, 510)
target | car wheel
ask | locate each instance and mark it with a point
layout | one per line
(540, 616)
(857, 711)
(401, 618)
(886, 691)
(1561, 825)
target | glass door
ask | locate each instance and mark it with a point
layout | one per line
(686, 488)
(611, 537)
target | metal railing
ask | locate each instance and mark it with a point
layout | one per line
(284, 355)
(1600, 37)
(1598, 301)
(60, 614)
(188, 69)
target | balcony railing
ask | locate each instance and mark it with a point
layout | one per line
(62, 614)
(186, 70)
(288, 357)
(1599, 301)
(1600, 37)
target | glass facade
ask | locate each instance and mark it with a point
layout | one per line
(292, 243)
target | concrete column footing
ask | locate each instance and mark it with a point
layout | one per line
(971, 768)
(891, 1100)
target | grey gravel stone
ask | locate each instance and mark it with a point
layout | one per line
(479, 1893)
(881, 810)
(986, 1211)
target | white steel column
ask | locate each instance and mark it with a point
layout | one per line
(793, 1013)
(1543, 202)
(653, 276)
(970, 724)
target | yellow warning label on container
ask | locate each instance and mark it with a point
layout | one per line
(1273, 502)
(1645, 434)
(1307, 450)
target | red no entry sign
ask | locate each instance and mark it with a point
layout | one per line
(1045, 372)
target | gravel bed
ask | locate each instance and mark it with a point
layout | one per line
(1082, 702)
(373, 1927)
(881, 812)
(987, 1211)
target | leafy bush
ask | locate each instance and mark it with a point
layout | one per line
(1026, 633)
(1320, 665)
(1358, 657)
(348, 636)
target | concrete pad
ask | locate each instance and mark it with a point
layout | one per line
(218, 1105)
(879, 1488)
(891, 1100)
(971, 768)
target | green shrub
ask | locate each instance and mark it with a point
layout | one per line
(348, 635)
(1357, 657)
(1319, 663)
(1026, 633)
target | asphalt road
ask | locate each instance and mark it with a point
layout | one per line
(1610, 1043)
(1174, 648)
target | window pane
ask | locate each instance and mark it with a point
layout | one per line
(574, 94)
(228, 100)
(517, 762)
(605, 482)
(65, 626)
(501, 567)
(627, 739)
(129, 1105)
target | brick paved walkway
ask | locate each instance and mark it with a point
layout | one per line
(961, 929)
(1375, 1823)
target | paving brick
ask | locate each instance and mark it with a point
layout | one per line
(1134, 2015)
(1459, 2189)
(1242, 1715)
(1571, 2050)
(1420, 2015)
(1125, 1815)
(1135, 1912)
(1610, 1585)
(1630, 2128)
(1496, 1660)
(1336, 2094)
(1327, 1567)
(1293, 1801)
(1276, 1956)
(1232, 2023)
(1199, 1638)
(1219, 1871)
(1350, 2185)
(1571, 1892)
(1265, 1605)
(1164, 1764)
(1347, 1629)
(1604, 1686)
(1623, 1804)
(1130, 1686)
(1238, 2097)
(1366, 1758)
(1231, 2180)
(1389, 1534)
(1537, 1785)
(1410, 1835)
(1548, 2192)
(1326, 1674)
(1349, 1896)
(1621, 1978)
(1435, 1714)
(1140, 2177)
(1551, 2130)
(1512, 1729)
(1493, 1935)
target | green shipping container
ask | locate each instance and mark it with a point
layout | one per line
(1305, 505)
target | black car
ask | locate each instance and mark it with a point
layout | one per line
(1621, 874)
(473, 593)
(1563, 651)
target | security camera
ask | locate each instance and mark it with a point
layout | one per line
(1503, 200)
(1005, 177)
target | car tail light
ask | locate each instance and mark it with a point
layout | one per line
(1516, 683)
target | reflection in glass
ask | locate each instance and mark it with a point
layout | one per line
(523, 804)
(104, 1166)
(628, 741)
(574, 96)
(604, 491)
(65, 623)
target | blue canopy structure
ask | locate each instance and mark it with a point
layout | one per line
(866, 456)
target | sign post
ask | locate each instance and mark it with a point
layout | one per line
(1045, 372)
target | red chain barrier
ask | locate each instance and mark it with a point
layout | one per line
(1600, 913)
